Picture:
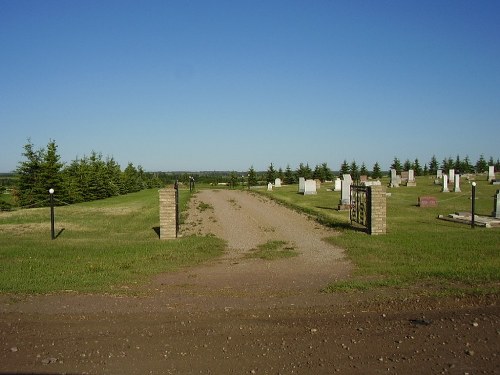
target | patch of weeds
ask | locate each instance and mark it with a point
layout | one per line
(267, 229)
(234, 203)
(204, 206)
(272, 250)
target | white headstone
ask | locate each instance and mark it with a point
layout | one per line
(309, 187)
(347, 177)
(395, 181)
(439, 173)
(269, 187)
(452, 176)
(302, 182)
(277, 182)
(456, 184)
(338, 184)
(496, 205)
(445, 184)
(491, 173)
(411, 175)
(345, 195)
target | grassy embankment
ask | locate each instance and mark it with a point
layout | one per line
(102, 246)
(419, 251)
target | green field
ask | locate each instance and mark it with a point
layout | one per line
(111, 245)
(419, 251)
(102, 246)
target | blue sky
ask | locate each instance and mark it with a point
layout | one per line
(225, 85)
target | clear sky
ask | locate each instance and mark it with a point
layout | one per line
(225, 85)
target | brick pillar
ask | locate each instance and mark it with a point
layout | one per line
(378, 210)
(168, 216)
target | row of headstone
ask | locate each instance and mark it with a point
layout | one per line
(307, 187)
(456, 183)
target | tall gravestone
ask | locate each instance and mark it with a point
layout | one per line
(451, 177)
(345, 195)
(445, 184)
(456, 184)
(277, 182)
(491, 173)
(439, 173)
(496, 205)
(168, 214)
(395, 179)
(302, 183)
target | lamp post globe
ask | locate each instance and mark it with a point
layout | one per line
(51, 191)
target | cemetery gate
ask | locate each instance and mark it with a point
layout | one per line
(368, 208)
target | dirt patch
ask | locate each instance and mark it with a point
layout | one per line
(249, 316)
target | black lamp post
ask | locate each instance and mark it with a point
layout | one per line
(52, 231)
(473, 208)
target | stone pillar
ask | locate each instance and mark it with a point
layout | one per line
(168, 214)
(445, 184)
(456, 185)
(491, 173)
(378, 210)
(496, 205)
(452, 176)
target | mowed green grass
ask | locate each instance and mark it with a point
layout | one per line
(102, 246)
(419, 251)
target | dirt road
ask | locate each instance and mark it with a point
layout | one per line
(249, 316)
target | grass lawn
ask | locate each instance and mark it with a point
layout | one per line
(419, 250)
(101, 246)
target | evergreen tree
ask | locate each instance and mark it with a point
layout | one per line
(426, 170)
(466, 166)
(130, 179)
(396, 164)
(497, 165)
(433, 165)
(458, 165)
(51, 175)
(491, 162)
(30, 188)
(327, 172)
(407, 165)
(280, 174)
(376, 172)
(289, 178)
(318, 173)
(363, 171)
(417, 168)
(481, 165)
(344, 167)
(252, 177)
(233, 179)
(354, 170)
(113, 177)
(304, 171)
(447, 164)
(271, 174)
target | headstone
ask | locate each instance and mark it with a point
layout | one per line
(347, 177)
(318, 184)
(302, 183)
(395, 179)
(309, 187)
(405, 176)
(491, 173)
(445, 184)
(496, 205)
(372, 183)
(338, 184)
(411, 178)
(451, 177)
(363, 178)
(269, 186)
(345, 196)
(456, 184)
(427, 201)
(439, 173)
(277, 182)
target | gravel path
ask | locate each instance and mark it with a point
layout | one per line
(246, 220)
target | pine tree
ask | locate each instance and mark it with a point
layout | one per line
(396, 164)
(354, 170)
(417, 168)
(376, 172)
(51, 171)
(252, 177)
(289, 179)
(407, 165)
(433, 165)
(481, 165)
(344, 167)
(363, 171)
(271, 174)
(327, 172)
(30, 188)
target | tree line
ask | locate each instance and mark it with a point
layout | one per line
(84, 179)
(323, 173)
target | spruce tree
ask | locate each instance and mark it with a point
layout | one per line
(363, 171)
(396, 164)
(271, 174)
(30, 188)
(376, 172)
(289, 179)
(417, 168)
(433, 165)
(481, 165)
(252, 177)
(344, 167)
